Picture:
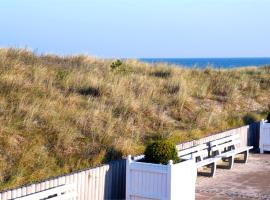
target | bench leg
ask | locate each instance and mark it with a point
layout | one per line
(213, 169)
(231, 161)
(246, 154)
(261, 150)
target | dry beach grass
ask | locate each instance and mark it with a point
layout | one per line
(60, 114)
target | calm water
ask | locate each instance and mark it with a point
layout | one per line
(214, 62)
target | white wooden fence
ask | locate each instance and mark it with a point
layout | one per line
(63, 192)
(264, 136)
(105, 182)
(108, 181)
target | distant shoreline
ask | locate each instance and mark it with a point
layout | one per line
(210, 62)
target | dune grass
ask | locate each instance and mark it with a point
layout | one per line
(60, 114)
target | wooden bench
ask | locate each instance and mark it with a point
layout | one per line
(201, 155)
(227, 147)
(63, 192)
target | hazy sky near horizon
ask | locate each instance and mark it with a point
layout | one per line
(138, 28)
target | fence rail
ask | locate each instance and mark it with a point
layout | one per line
(108, 181)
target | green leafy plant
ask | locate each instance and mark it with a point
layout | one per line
(161, 152)
(116, 64)
(61, 74)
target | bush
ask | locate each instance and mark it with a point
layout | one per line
(268, 117)
(116, 64)
(161, 152)
(161, 73)
(61, 74)
(89, 91)
(251, 118)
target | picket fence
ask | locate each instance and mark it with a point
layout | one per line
(104, 182)
(109, 181)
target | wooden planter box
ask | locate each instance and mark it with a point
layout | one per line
(145, 181)
(264, 136)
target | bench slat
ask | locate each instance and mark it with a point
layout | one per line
(186, 157)
(228, 144)
(234, 152)
(207, 161)
(223, 140)
(242, 149)
(192, 149)
(200, 153)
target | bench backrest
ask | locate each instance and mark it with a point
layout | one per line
(194, 152)
(221, 144)
(63, 192)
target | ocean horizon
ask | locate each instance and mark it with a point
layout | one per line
(210, 62)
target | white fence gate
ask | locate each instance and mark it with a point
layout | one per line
(264, 136)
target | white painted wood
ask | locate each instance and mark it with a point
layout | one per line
(206, 162)
(234, 152)
(192, 150)
(264, 136)
(9, 195)
(89, 184)
(200, 153)
(228, 147)
(183, 179)
(60, 192)
(156, 181)
(223, 140)
(228, 143)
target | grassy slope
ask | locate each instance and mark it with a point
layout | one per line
(62, 114)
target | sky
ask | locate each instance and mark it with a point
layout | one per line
(138, 28)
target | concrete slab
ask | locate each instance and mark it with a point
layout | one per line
(244, 181)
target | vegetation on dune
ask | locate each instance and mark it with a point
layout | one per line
(60, 114)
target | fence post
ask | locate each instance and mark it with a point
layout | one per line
(128, 162)
(260, 140)
(169, 182)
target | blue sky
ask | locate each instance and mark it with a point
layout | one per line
(138, 28)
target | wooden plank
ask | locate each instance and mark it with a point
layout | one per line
(224, 145)
(49, 192)
(223, 140)
(86, 185)
(192, 149)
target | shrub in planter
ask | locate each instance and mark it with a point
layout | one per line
(161, 152)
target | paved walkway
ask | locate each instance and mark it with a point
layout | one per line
(243, 182)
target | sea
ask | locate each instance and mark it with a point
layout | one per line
(211, 62)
